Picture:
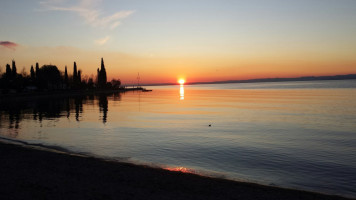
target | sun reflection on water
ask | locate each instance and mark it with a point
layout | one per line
(181, 92)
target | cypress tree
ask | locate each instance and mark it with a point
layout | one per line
(103, 72)
(66, 76)
(79, 76)
(102, 75)
(98, 77)
(8, 71)
(14, 70)
(32, 73)
(37, 71)
(75, 73)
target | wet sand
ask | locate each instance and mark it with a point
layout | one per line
(28, 173)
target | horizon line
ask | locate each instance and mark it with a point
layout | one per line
(267, 79)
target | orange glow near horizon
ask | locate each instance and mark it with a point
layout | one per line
(198, 68)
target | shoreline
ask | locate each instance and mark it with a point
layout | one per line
(29, 172)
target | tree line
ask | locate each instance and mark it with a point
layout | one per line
(49, 77)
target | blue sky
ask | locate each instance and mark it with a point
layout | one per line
(161, 28)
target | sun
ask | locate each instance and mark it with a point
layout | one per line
(181, 81)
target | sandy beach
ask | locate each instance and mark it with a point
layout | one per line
(28, 173)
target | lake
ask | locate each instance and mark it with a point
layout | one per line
(289, 134)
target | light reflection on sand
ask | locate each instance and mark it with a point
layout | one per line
(181, 169)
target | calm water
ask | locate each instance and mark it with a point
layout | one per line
(292, 134)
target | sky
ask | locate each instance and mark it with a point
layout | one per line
(164, 40)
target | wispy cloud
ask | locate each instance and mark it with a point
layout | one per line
(102, 41)
(8, 44)
(87, 9)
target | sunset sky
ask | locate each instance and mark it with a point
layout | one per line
(199, 40)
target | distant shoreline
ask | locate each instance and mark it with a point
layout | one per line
(31, 173)
(303, 78)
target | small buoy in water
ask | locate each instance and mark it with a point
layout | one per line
(209, 125)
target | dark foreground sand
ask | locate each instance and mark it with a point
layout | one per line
(27, 173)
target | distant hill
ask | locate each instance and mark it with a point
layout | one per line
(304, 78)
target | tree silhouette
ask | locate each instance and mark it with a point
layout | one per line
(33, 76)
(14, 70)
(103, 71)
(90, 84)
(79, 78)
(49, 77)
(75, 73)
(97, 77)
(115, 83)
(66, 77)
(8, 72)
(37, 70)
(102, 75)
